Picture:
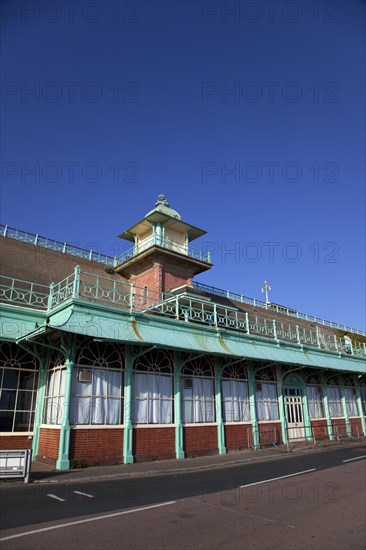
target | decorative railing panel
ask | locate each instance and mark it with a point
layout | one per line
(98, 289)
(24, 293)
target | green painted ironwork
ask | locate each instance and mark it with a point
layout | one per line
(157, 239)
(93, 288)
(218, 404)
(128, 404)
(252, 406)
(24, 293)
(179, 450)
(63, 461)
(279, 309)
(113, 261)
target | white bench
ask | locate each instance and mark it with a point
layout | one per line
(15, 463)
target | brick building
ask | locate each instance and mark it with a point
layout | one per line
(109, 359)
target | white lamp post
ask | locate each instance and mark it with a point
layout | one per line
(266, 288)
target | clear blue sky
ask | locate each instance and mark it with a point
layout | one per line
(249, 116)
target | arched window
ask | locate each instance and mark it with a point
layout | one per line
(18, 388)
(351, 398)
(314, 394)
(153, 388)
(334, 397)
(97, 385)
(235, 394)
(198, 391)
(266, 395)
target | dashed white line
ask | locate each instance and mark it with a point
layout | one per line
(83, 494)
(276, 478)
(56, 497)
(356, 458)
(71, 523)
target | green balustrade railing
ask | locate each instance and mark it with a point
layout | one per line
(164, 243)
(81, 285)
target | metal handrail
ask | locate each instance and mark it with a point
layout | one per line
(279, 309)
(113, 261)
(154, 240)
(96, 288)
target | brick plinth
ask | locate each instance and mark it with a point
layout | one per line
(200, 440)
(153, 444)
(319, 429)
(49, 441)
(97, 446)
(238, 436)
(270, 433)
(356, 426)
(339, 426)
(15, 442)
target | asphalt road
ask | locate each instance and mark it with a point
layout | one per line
(314, 500)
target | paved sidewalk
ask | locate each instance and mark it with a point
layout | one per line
(43, 473)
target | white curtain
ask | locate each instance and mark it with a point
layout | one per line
(363, 399)
(267, 401)
(315, 401)
(235, 401)
(153, 399)
(199, 402)
(97, 401)
(54, 405)
(351, 401)
(334, 401)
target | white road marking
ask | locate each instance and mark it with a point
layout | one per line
(83, 494)
(56, 497)
(356, 458)
(71, 523)
(276, 478)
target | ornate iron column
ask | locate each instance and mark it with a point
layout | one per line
(218, 406)
(68, 346)
(128, 408)
(179, 450)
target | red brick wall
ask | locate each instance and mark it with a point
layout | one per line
(152, 278)
(32, 263)
(320, 428)
(339, 426)
(153, 444)
(200, 440)
(270, 433)
(238, 436)
(97, 446)
(49, 441)
(173, 280)
(356, 426)
(15, 442)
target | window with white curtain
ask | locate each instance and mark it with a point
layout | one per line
(363, 398)
(198, 398)
(314, 396)
(18, 389)
(97, 385)
(351, 399)
(235, 394)
(55, 396)
(334, 398)
(266, 397)
(153, 388)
